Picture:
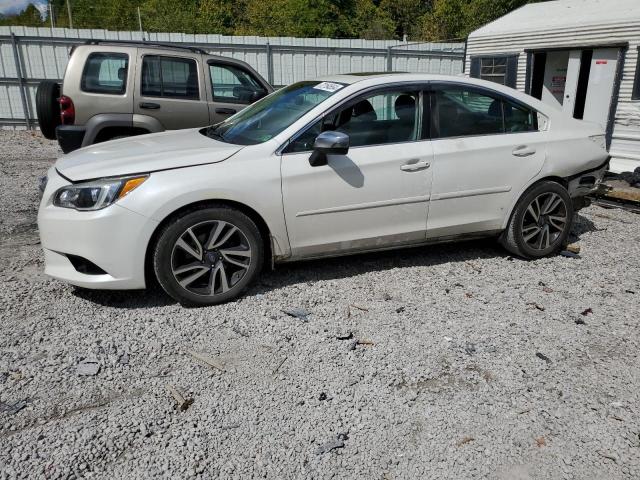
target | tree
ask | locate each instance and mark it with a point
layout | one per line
(455, 19)
(29, 17)
(372, 22)
(405, 14)
(298, 18)
(370, 19)
(219, 16)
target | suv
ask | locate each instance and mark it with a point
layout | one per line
(119, 89)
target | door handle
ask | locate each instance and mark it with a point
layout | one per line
(523, 151)
(149, 105)
(225, 111)
(412, 167)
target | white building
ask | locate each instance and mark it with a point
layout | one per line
(579, 55)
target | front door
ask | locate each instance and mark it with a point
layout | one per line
(171, 89)
(375, 196)
(485, 146)
(232, 88)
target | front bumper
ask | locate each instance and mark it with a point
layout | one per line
(70, 137)
(113, 239)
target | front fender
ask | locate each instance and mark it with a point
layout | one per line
(256, 186)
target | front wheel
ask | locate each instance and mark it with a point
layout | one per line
(541, 222)
(208, 256)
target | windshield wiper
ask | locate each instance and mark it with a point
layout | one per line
(212, 133)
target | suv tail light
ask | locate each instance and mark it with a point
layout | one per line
(67, 110)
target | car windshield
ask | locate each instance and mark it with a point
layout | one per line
(268, 117)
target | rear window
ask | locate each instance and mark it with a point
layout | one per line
(105, 73)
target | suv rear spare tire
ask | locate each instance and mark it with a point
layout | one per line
(47, 108)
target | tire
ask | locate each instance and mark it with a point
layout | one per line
(47, 108)
(216, 269)
(533, 237)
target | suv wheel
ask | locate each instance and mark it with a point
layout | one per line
(47, 108)
(541, 221)
(208, 256)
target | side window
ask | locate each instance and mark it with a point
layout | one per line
(233, 84)
(169, 77)
(458, 112)
(105, 73)
(494, 69)
(502, 69)
(389, 117)
(518, 119)
(304, 142)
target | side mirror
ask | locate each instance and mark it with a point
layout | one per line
(328, 143)
(257, 95)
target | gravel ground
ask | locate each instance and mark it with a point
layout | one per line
(453, 361)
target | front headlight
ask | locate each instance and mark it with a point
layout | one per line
(96, 194)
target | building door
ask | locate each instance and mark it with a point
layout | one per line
(602, 76)
(571, 84)
(560, 80)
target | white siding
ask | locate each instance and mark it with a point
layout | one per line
(625, 145)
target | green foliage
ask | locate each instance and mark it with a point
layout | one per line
(29, 17)
(455, 19)
(369, 19)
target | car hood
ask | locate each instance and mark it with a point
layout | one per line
(144, 154)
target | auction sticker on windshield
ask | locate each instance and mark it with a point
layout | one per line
(329, 86)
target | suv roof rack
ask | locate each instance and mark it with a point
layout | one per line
(146, 44)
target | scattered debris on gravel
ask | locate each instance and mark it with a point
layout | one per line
(435, 362)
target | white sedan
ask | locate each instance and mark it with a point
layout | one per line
(340, 165)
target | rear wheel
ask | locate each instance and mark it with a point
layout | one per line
(208, 256)
(541, 222)
(47, 108)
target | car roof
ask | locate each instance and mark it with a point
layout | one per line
(381, 78)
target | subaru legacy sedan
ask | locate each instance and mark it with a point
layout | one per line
(333, 166)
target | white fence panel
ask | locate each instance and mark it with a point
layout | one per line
(43, 53)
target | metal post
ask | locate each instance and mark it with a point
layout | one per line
(269, 64)
(23, 86)
(389, 59)
(69, 12)
(140, 24)
(51, 16)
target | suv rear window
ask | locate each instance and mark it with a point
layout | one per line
(105, 73)
(170, 77)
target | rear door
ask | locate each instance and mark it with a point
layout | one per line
(486, 147)
(233, 87)
(171, 89)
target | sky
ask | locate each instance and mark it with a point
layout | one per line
(10, 7)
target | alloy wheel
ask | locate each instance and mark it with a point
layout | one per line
(544, 221)
(210, 258)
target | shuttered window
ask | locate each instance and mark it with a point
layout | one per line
(502, 69)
